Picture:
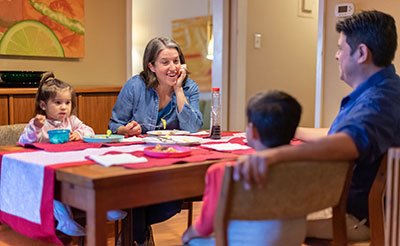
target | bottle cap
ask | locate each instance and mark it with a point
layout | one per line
(215, 89)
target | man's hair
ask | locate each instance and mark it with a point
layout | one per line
(376, 30)
(275, 115)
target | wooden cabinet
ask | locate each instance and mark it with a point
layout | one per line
(94, 105)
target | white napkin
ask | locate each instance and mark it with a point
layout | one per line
(199, 133)
(133, 139)
(117, 159)
(226, 146)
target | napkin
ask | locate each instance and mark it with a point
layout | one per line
(116, 159)
(226, 146)
(133, 139)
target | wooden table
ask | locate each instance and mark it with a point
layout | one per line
(96, 189)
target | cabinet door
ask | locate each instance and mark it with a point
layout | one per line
(94, 109)
(4, 110)
(22, 108)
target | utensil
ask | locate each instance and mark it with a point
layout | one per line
(55, 123)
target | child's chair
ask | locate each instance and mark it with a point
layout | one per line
(290, 191)
(9, 134)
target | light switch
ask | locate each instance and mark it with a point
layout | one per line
(257, 40)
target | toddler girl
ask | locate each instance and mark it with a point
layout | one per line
(55, 100)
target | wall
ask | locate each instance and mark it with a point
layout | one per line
(334, 89)
(105, 49)
(152, 18)
(287, 58)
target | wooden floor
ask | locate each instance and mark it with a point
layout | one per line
(167, 233)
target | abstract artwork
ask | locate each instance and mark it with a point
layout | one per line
(42, 28)
(191, 34)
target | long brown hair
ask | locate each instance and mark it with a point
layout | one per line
(153, 49)
(48, 88)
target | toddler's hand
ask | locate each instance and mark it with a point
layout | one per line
(39, 120)
(74, 136)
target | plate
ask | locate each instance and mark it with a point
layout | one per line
(167, 132)
(103, 138)
(171, 140)
(160, 151)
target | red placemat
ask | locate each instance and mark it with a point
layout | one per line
(197, 155)
(68, 146)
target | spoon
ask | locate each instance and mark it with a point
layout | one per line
(56, 123)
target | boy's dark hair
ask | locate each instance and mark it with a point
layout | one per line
(376, 30)
(276, 116)
(48, 88)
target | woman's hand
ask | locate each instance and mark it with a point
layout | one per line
(131, 129)
(39, 120)
(181, 77)
(74, 136)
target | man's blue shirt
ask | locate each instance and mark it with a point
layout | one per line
(370, 115)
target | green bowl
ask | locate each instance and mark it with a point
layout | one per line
(58, 136)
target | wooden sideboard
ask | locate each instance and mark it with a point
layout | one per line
(94, 105)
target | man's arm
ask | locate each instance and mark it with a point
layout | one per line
(253, 169)
(310, 134)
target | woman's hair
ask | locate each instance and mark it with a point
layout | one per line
(276, 116)
(153, 49)
(48, 88)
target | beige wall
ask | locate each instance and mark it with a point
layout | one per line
(334, 89)
(105, 49)
(146, 26)
(287, 59)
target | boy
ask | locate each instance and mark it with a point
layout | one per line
(272, 121)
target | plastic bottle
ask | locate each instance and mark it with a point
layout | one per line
(216, 114)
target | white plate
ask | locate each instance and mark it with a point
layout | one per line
(167, 132)
(177, 140)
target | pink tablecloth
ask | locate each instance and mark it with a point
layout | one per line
(26, 203)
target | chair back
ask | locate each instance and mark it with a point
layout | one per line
(392, 211)
(291, 190)
(376, 205)
(9, 134)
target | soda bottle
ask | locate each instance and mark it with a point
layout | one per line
(216, 114)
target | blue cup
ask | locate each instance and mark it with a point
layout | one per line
(58, 136)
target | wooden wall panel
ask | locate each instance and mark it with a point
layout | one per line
(22, 108)
(95, 110)
(4, 110)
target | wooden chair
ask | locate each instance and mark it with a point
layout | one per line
(376, 205)
(290, 190)
(9, 134)
(392, 211)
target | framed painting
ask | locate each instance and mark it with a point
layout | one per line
(42, 28)
(191, 34)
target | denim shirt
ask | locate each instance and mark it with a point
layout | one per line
(138, 103)
(370, 115)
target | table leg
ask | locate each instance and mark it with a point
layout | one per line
(96, 224)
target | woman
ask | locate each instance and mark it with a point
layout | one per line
(161, 92)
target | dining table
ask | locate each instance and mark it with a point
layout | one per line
(95, 189)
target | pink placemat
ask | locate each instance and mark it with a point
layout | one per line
(197, 155)
(68, 146)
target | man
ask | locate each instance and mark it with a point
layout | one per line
(367, 124)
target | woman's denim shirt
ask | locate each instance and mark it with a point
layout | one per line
(138, 103)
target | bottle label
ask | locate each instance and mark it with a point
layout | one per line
(215, 132)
